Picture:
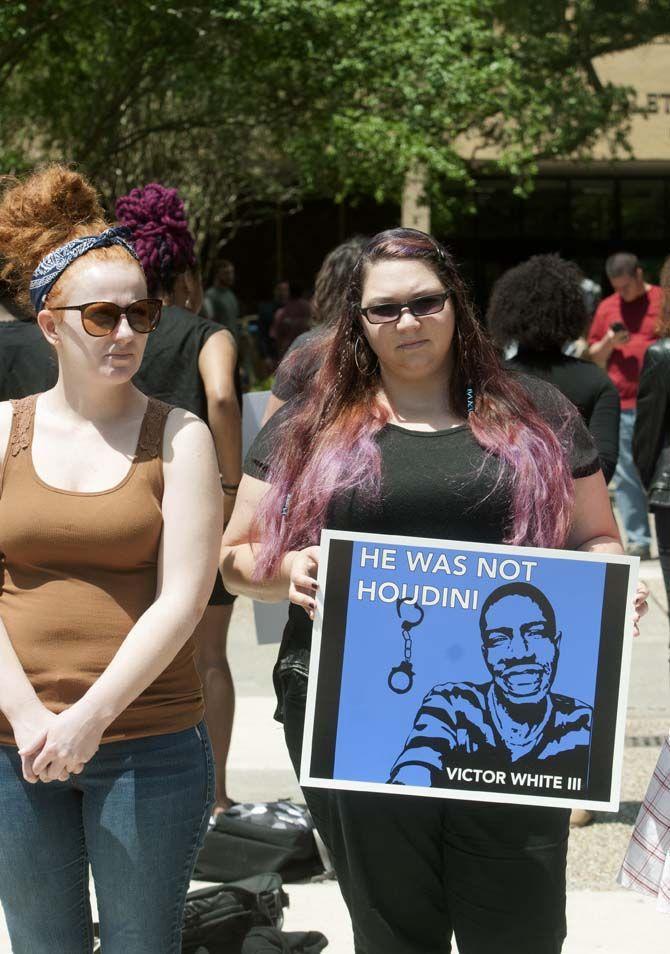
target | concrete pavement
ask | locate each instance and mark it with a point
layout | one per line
(601, 917)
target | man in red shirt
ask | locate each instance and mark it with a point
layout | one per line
(623, 327)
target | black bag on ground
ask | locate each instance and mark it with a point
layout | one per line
(218, 918)
(266, 940)
(260, 837)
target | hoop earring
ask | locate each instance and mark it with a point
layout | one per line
(357, 361)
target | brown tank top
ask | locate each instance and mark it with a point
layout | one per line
(77, 571)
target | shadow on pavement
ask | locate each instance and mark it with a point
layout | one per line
(626, 815)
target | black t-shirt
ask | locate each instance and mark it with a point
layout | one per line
(28, 364)
(169, 369)
(299, 364)
(589, 389)
(438, 484)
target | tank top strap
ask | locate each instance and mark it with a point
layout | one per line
(150, 443)
(23, 418)
(20, 439)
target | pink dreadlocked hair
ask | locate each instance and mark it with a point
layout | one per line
(161, 236)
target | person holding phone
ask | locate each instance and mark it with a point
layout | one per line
(623, 327)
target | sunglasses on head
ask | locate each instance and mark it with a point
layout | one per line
(392, 310)
(100, 318)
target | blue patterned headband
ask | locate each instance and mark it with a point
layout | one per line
(54, 264)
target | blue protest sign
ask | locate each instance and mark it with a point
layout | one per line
(473, 671)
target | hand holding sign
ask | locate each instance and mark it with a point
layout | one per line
(641, 606)
(303, 567)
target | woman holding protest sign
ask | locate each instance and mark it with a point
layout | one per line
(110, 525)
(411, 427)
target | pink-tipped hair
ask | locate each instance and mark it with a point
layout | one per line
(326, 445)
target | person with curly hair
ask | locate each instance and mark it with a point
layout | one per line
(539, 307)
(192, 362)
(110, 525)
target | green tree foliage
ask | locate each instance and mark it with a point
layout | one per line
(244, 104)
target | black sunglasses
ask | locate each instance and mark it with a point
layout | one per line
(100, 318)
(392, 310)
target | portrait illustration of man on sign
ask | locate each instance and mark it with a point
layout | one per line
(514, 720)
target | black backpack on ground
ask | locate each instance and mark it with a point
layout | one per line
(241, 918)
(218, 918)
(260, 837)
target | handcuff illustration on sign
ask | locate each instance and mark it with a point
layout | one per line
(401, 677)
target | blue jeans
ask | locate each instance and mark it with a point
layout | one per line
(137, 814)
(630, 497)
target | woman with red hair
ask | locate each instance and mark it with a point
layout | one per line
(110, 524)
(412, 427)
